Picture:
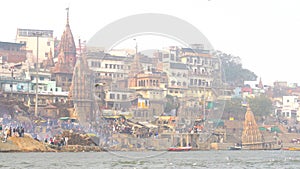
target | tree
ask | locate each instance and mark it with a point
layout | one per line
(234, 73)
(233, 108)
(261, 106)
(171, 104)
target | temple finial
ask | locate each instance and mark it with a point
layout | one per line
(67, 15)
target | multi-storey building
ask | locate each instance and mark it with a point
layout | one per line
(12, 52)
(176, 71)
(289, 108)
(149, 85)
(108, 67)
(36, 40)
(193, 76)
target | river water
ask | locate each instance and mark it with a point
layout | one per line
(154, 159)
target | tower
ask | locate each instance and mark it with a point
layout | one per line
(135, 69)
(63, 70)
(260, 84)
(82, 91)
(251, 136)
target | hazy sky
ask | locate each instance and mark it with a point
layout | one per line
(264, 33)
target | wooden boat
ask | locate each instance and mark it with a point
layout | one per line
(179, 148)
(235, 148)
(294, 148)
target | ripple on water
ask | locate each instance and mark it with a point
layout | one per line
(201, 159)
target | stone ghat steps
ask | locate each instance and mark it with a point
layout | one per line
(287, 137)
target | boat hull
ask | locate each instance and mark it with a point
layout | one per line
(179, 148)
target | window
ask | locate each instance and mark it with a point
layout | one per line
(199, 82)
(42, 78)
(23, 42)
(124, 97)
(118, 96)
(172, 56)
(173, 82)
(112, 96)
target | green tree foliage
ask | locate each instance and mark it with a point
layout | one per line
(171, 103)
(261, 106)
(234, 73)
(233, 108)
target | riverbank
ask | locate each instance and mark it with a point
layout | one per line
(23, 144)
(28, 144)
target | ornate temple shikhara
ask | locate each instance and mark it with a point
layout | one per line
(63, 69)
(251, 137)
(73, 74)
(81, 92)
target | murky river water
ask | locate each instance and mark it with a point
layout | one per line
(154, 159)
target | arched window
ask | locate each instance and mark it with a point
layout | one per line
(173, 82)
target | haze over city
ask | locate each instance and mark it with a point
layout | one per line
(265, 34)
(139, 81)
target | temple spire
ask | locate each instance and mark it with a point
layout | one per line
(260, 84)
(67, 15)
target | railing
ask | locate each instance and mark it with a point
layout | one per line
(14, 79)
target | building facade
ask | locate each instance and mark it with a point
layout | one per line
(12, 52)
(36, 40)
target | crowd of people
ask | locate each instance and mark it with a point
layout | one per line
(10, 132)
(63, 141)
